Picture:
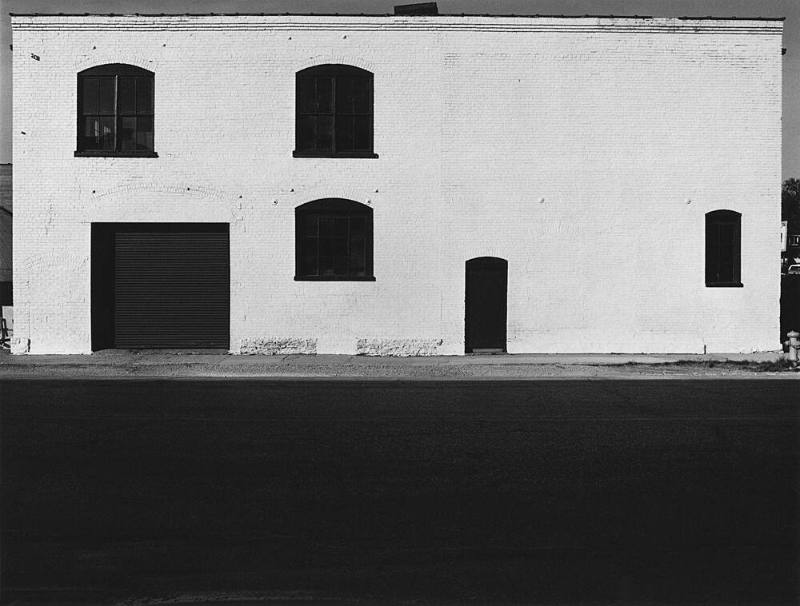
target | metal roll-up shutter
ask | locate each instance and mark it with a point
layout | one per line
(171, 286)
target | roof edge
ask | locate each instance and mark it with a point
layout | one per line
(400, 17)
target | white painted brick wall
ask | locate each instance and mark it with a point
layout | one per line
(586, 152)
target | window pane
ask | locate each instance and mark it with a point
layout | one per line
(340, 227)
(339, 249)
(89, 132)
(144, 133)
(306, 96)
(144, 95)
(324, 135)
(98, 132)
(324, 94)
(127, 95)
(325, 257)
(340, 262)
(358, 257)
(344, 133)
(306, 128)
(308, 257)
(352, 95)
(315, 133)
(326, 227)
(344, 95)
(361, 96)
(362, 133)
(333, 256)
(107, 126)
(309, 225)
(357, 226)
(127, 133)
(724, 274)
(726, 252)
(333, 227)
(106, 102)
(714, 250)
(89, 88)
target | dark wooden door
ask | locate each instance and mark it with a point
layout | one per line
(487, 283)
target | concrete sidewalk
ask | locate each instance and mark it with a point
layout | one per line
(113, 364)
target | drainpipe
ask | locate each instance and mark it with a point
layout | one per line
(794, 346)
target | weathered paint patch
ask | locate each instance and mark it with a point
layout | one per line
(277, 345)
(398, 347)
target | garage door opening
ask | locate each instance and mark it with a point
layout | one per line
(160, 286)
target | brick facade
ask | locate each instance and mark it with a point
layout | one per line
(584, 151)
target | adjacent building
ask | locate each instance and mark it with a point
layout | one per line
(6, 214)
(401, 185)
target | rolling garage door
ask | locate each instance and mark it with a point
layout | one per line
(160, 285)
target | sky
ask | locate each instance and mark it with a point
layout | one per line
(790, 9)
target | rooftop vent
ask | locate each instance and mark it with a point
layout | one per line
(421, 8)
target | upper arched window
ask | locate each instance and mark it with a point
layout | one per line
(723, 248)
(333, 239)
(334, 118)
(115, 111)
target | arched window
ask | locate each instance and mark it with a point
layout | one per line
(333, 105)
(333, 240)
(723, 248)
(115, 111)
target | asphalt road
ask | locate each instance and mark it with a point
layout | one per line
(439, 492)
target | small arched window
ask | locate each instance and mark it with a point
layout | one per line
(333, 240)
(115, 111)
(334, 118)
(723, 248)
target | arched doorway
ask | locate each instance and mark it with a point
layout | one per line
(485, 305)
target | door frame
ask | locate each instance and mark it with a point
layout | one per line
(102, 272)
(486, 263)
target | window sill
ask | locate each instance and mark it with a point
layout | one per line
(100, 153)
(724, 285)
(302, 154)
(334, 278)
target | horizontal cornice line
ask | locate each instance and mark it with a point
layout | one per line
(667, 29)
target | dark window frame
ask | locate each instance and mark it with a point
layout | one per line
(723, 249)
(333, 209)
(115, 71)
(335, 73)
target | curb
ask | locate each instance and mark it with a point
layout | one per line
(161, 365)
